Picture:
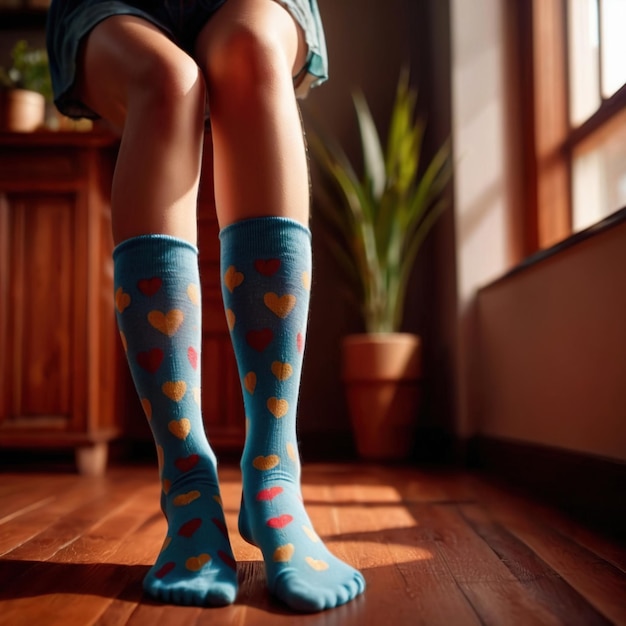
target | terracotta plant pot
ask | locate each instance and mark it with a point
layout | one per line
(21, 110)
(382, 376)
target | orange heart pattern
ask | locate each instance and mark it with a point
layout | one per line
(167, 323)
(147, 408)
(283, 554)
(230, 319)
(249, 382)
(193, 293)
(186, 498)
(174, 389)
(122, 300)
(265, 463)
(278, 407)
(279, 305)
(232, 278)
(196, 563)
(180, 428)
(282, 371)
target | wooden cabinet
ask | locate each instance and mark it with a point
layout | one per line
(57, 334)
(63, 382)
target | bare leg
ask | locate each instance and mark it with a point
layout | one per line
(249, 51)
(133, 76)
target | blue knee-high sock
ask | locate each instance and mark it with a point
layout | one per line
(266, 274)
(157, 302)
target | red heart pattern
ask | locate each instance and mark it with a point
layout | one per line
(149, 286)
(269, 494)
(165, 570)
(186, 463)
(259, 339)
(150, 360)
(190, 527)
(192, 355)
(267, 267)
(280, 522)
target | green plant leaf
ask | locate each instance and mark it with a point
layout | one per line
(390, 210)
(373, 159)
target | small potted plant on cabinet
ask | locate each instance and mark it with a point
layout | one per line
(383, 218)
(24, 90)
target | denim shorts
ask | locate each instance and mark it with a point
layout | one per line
(69, 21)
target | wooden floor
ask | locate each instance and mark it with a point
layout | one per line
(435, 548)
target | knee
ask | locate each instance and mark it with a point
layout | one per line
(168, 88)
(245, 62)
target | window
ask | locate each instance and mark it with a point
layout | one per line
(573, 58)
(596, 32)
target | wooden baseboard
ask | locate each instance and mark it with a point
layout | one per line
(593, 489)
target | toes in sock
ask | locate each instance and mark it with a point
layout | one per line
(266, 274)
(157, 302)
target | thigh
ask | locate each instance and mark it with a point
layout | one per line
(123, 57)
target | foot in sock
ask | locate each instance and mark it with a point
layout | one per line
(266, 272)
(157, 302)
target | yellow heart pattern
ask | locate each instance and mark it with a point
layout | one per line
(167, 485)
(232, 278)
(306, 280)
(279, 305)
(180, 428)
(124, 342)
(196, 563)
(291, 451)
(282, 554)
(317, 565)
(278, 407)
(282, 371)
(122, 300)
(186, 498)
(197, 394)
(230, 319)
(166, 323)
(174, 389)
(193, 293)
(264, 463)
(218, 499)
(249, 382)
(310, 533)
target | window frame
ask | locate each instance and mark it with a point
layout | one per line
(549, 140)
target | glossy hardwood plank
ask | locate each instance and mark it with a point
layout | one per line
(436, 548)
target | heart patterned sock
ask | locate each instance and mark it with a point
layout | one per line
(266, 273)
(157, 302)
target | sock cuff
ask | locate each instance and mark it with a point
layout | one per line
(153, 245)
(259, 234)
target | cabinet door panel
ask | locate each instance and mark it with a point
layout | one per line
(41, 316)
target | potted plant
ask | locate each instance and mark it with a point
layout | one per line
(383, 218)
(24, 89)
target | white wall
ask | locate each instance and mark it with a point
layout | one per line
(484, 173)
